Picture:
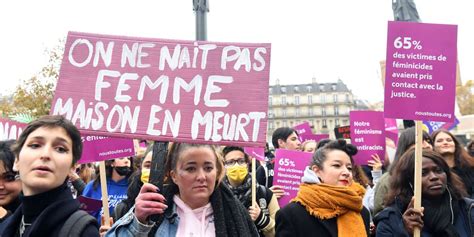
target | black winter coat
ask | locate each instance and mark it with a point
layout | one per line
(293, 220)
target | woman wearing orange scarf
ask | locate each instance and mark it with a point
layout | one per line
(328, 203)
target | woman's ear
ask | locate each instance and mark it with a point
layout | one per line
(281, 143)
(173, 176)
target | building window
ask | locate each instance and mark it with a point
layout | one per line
(283, 89)
(297, 112)
(283, 100)
(310, 111)
(270, 114)
(336, 110)
(324, 123)
(270, 126)
(336, 122)
(347, 98)
(270, 101)
(321, 87)
(297, 100)
(310, 99)
(296, 89)
(333, 87)
(334, 97)
(323, 111)
(283, 112)
(285, 124)
(309, 88)
(323, 98)
(270, 90)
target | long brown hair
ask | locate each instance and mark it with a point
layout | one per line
(401, 181)
(461, 158)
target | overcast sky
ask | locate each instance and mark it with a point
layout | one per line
(319, 38)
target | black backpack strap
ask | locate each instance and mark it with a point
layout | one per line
(76, 224)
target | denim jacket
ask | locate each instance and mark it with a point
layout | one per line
(129, 225)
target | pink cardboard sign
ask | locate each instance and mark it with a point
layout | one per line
(10, 129)
(255, 152)
(368, 135)
(303, 130)
(98, 148)
(166, 90)
(391, 129)
(289, 169)
(421, 66)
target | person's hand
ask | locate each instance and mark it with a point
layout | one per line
(412, 218)
(254, 212)
(375, 163)
(278, 191)
(103, 227)
(73, 175)
(149, 202)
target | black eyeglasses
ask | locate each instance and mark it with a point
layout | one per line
(9, 176)
(240, 161)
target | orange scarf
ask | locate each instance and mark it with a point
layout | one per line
(327, 201)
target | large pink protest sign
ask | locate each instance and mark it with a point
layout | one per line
(98, 148)
(10, 129)
(289, 169)
(368, 135)
(420, 68)
(167, 90)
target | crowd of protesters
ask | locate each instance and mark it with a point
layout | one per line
(207, 189)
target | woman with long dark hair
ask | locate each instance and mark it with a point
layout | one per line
(446, 144)
(444, 210)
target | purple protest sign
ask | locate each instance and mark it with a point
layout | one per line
(255, 152)
(90, 205)
(98, 148)
(368, 135)
(421, 66)
(303, 130)
(314, 137)
(10, 129)
(166, 90)
(288, 171)
(391, 129)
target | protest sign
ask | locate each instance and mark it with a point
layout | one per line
(10, 129)
(391, 129)
(368, 135)
(303, 129)
(98, 148)
(421, 67)
(343, 132)
(167, 90)
(431, 126)
(289, 169)
(255, 152)
(314, 137)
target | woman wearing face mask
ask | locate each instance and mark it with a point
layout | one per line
(444, 212)
(239, 181)
(329, 202)
(457, 158)
(10, 185)
(193, 202)
(117, 174)
(137, 179)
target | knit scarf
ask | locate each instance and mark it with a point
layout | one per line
(242, 192)
(327, 201)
